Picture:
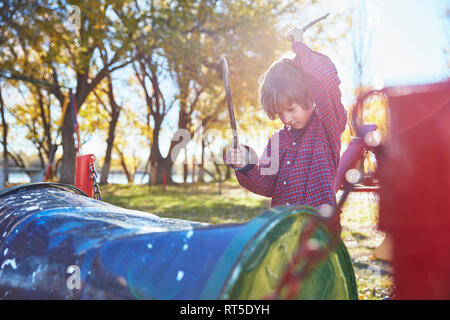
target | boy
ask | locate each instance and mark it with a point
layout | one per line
(299, 164)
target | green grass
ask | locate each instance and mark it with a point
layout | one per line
(202, 202)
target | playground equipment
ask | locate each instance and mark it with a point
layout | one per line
(414, 196)
(415, 181)
(53, 233)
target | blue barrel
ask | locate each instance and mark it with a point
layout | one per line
(59, 244)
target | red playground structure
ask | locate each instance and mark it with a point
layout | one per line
(414, 175)
(415, 193)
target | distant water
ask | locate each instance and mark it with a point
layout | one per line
(113, 178)
(120, 178)
(18, 177)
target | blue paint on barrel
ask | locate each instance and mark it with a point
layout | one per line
(46, 232)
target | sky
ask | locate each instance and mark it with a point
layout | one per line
(408, 41)
(407, 48)
(411, 41)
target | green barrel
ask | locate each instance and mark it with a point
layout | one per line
(258, 255)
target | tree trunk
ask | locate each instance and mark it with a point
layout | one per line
(159, 165)
(185, 166)
(115, 113)
(194, 167)
(158, 169)
(67, 172)
(148, 169)
(109, 147)
(127, 172)
(41, 152)
(201, 173)
(219, 173)
(153, 172)
(4, 138)
(228, 173)
(46, 122)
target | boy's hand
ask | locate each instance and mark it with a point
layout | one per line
(295, 35)
(237, 157)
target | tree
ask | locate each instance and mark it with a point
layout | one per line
(126, 152)
(73, 57)
(173, 48)
(35, 114)
(113, 109)
(192, 36)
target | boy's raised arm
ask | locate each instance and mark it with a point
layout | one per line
(325, 89)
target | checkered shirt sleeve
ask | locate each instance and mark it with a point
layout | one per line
(325, 90)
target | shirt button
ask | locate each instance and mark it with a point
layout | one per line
(284, 182)
(293, 143)
(288, 162)
(287, 203)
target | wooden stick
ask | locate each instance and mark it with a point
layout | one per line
(314, 22)
(226, 80)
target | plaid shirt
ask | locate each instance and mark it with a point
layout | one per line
(299, 169)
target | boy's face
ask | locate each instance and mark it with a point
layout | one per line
(295, 116)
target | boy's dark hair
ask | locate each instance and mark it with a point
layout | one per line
(283, 84)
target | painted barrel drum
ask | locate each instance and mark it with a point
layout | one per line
(59, 244)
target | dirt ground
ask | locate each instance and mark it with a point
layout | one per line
(361, 236)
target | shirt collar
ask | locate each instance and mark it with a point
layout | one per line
(293, 134)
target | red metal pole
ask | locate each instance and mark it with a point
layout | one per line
(164, 180)
(83, 179)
